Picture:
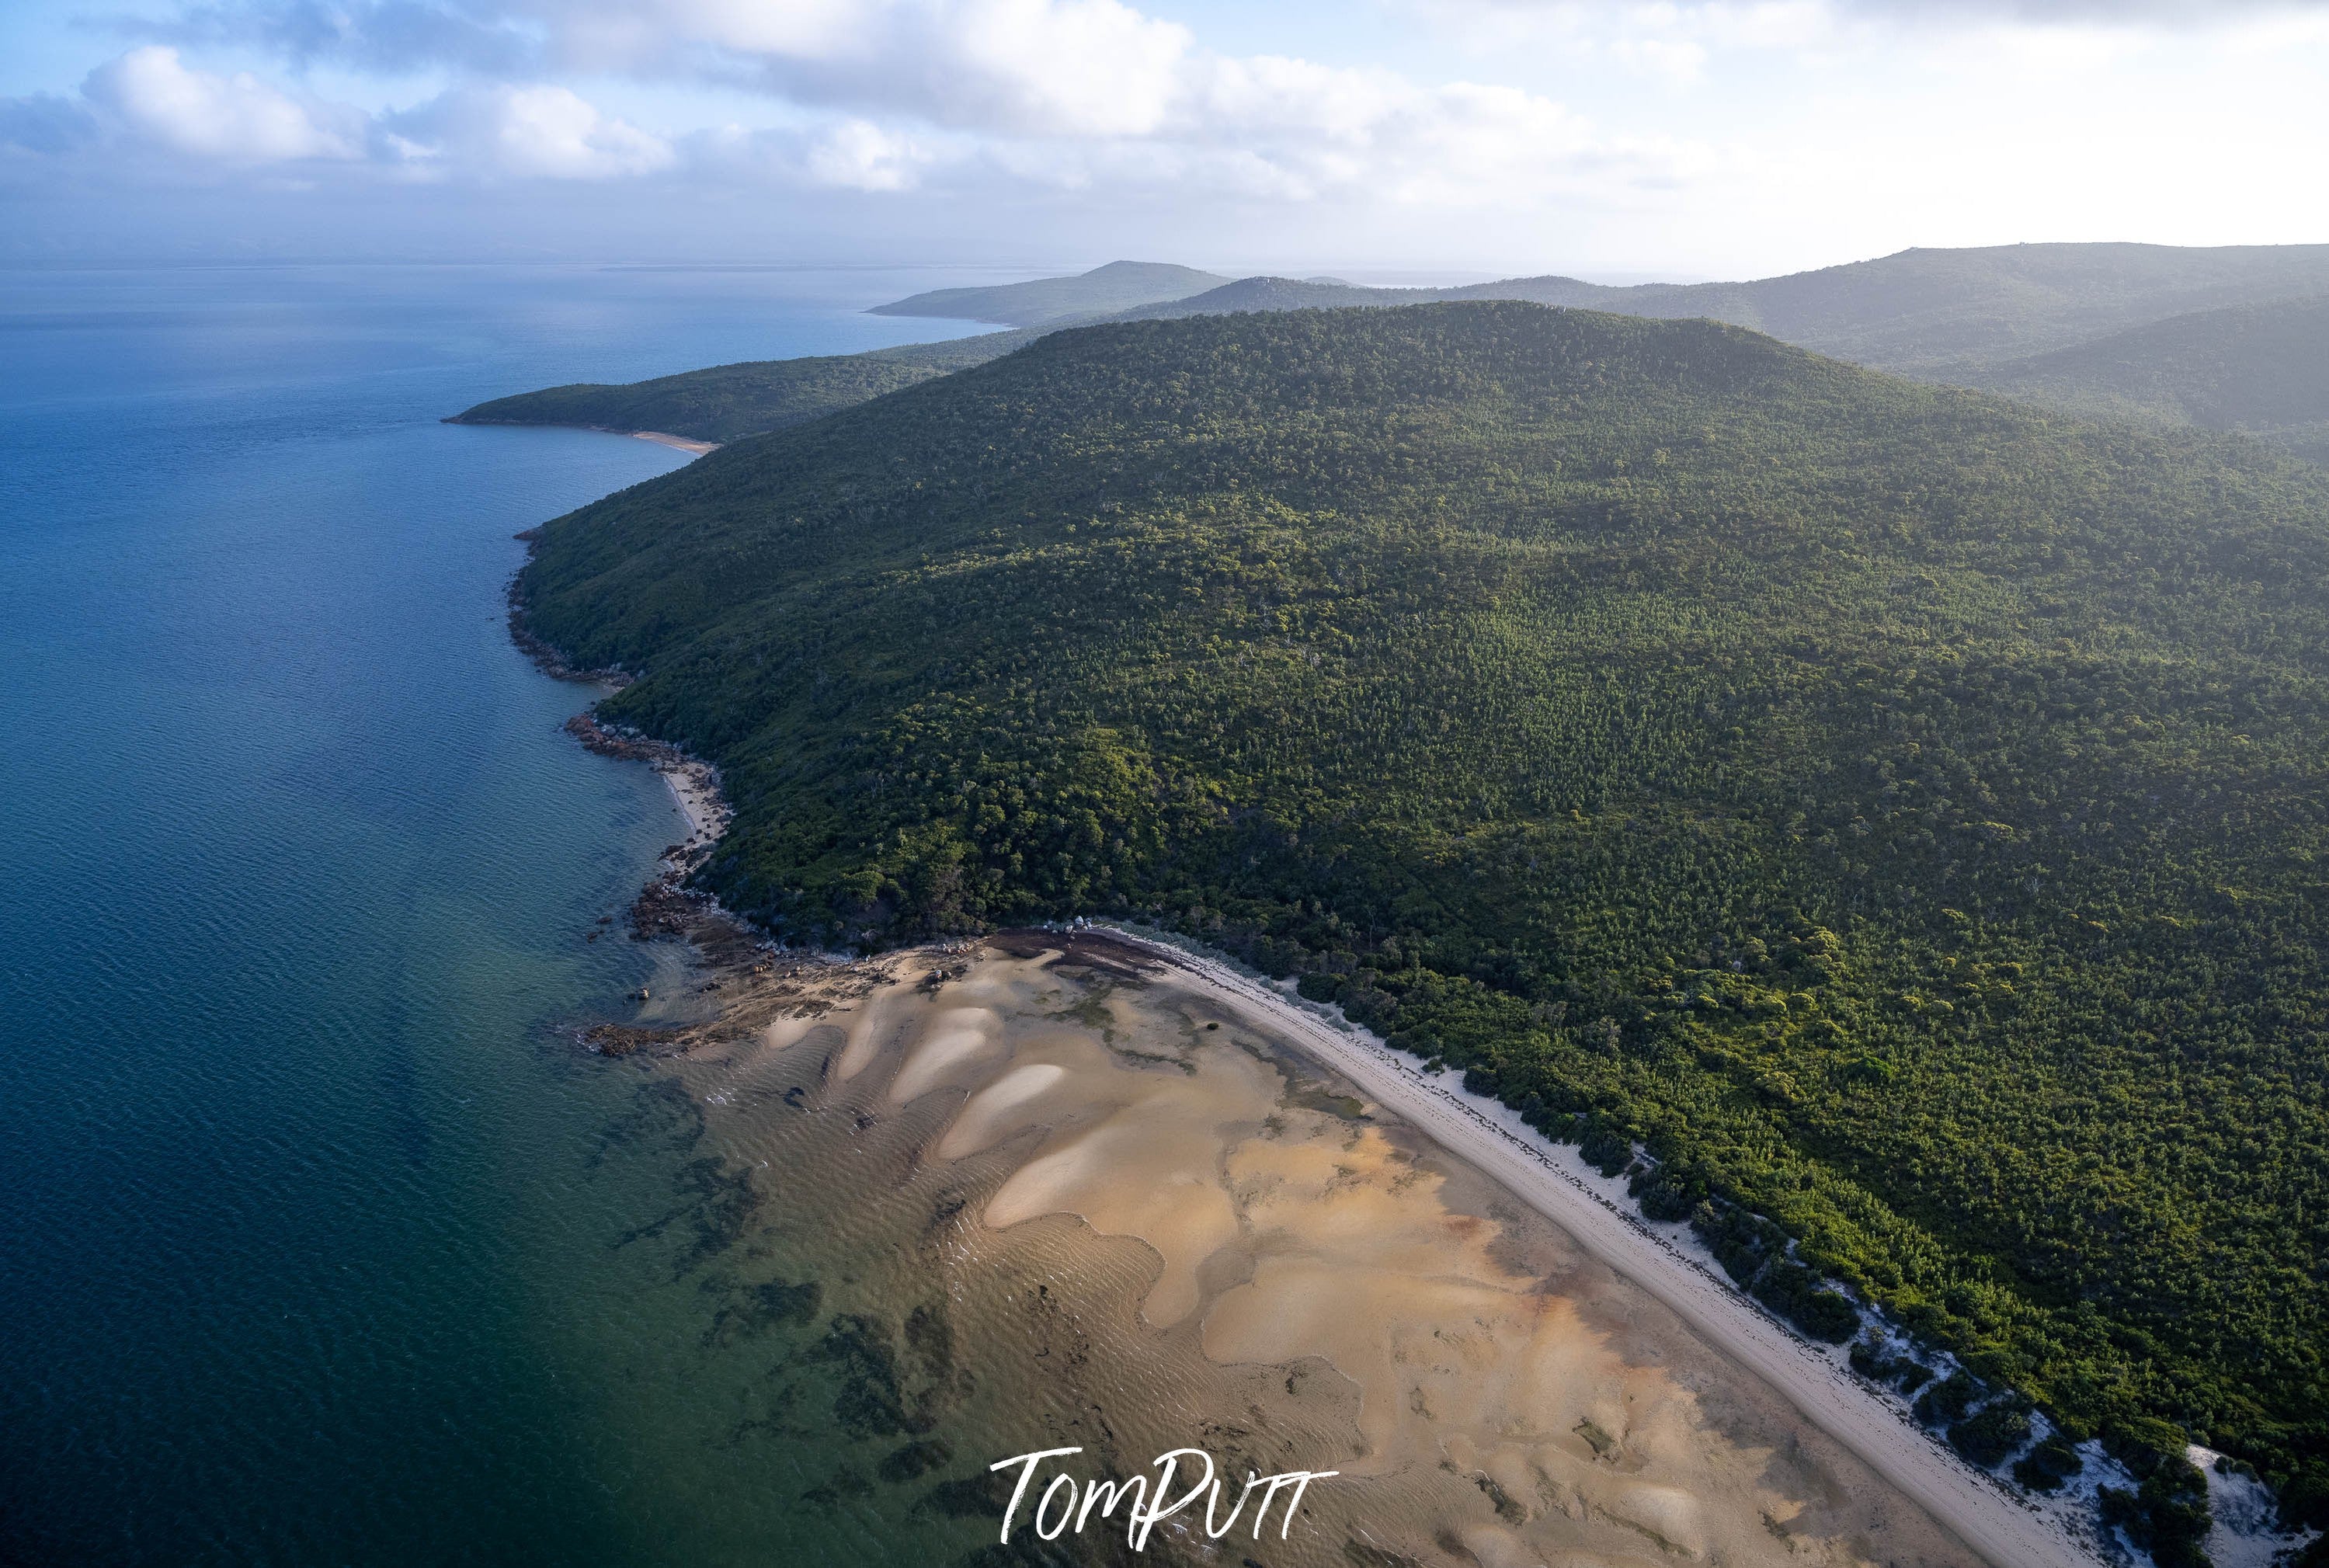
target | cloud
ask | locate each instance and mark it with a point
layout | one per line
(860, 156)
(1094, 67)
(388, 36)
(1677, 40)
(887, 95)
(45, 124)
(533, 131)
(2181, 13)
(1076, 94)
(984, 99)
(233, 119)
(149, 98)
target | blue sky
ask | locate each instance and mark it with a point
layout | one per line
(1604, 137)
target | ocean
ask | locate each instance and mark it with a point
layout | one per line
(321, 1241)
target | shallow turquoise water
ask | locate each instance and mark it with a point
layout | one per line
(318, 1243)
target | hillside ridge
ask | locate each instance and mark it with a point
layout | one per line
(1961, 316)
(1897, 808)
(1116, 286)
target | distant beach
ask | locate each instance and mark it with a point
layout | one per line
(680, 443)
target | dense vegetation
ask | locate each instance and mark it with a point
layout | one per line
(731, 400)
(2259, 368)
(1975, 317)
(1119, 286)
(1901, 810)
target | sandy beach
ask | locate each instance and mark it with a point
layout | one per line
(2002, 1529)
(1330, 1265)
(680, 443)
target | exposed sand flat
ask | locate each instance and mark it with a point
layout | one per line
(1325, 1286)
(955, 1038)
(1146, 1167)
(778, 1033)
(870, 1026)
(995, 1110)
(1997, 1527)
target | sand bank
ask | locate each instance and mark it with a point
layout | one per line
(1162, 1213)
(2003, 1528)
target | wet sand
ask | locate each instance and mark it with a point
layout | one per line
(1154, 1223)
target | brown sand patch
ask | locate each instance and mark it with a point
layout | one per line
(1323, 1288)
(954, 1039)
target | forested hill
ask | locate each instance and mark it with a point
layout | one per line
(1901, 809)
(1947, 316)
(731, 400)
(1940, 315)
(1974, 316)
(2259, 368)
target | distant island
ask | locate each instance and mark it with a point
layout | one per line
(1103, 290)
(1885, 819)
(2232, 338)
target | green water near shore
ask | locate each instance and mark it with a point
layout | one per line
(322, 1243)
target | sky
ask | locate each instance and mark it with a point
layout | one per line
(1603, 139)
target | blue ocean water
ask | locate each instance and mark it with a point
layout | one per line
(318, 1243)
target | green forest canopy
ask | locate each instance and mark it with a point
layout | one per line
(730, 402)
(2259, 368)
(1900, 809)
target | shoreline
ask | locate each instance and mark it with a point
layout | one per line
(694, 784)
(1997, 1527)
(2002, 1529)
(663, 438)
(1158, 1218)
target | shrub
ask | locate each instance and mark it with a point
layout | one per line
(2166, 1516)
(1948, 1400)
(2046, 1467)
(1319, 988)
(1987, 1437)
(1605, 1148)
(1798, 1294)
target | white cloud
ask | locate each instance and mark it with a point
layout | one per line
(1634, 133)
(230, 119)
(887, 95)
(860, 156)
(532, 131)
(1023, 67)
(2114, 12)
(1075, 94)
(1073, 67)
(150, 97)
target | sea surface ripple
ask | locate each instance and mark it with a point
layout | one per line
(320, 1243)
